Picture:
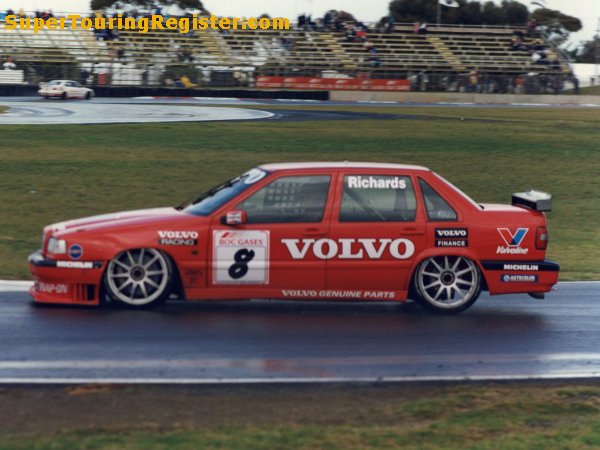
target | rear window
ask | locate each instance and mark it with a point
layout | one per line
(438, 209)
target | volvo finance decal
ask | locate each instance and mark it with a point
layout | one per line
(513, 241)
(350, 248)
(451, 237)
(182, 238)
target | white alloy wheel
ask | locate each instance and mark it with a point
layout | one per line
(140, 277)
(447, 284)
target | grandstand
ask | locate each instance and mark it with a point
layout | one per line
(214, 58)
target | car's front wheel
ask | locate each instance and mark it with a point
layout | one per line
(139, 278)
(88, 95)
(447, 284)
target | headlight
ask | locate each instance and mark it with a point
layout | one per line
(56, 246)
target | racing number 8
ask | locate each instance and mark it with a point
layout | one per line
(240, 268)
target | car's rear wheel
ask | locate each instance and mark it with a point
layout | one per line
(64, 96)
(447, 284)
(139, 278)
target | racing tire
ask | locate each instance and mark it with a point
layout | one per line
(64, 96)
(88, 96)
(447, 284)
(139, 278)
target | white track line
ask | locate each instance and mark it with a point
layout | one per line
(330, 380)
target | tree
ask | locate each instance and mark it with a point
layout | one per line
(557, 25)
(468, 13)
(342, 15)
(589, 52)
(145, 4)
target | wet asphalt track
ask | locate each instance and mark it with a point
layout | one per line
(33, 110)
(505, 337)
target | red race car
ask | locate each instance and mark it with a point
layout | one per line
(310, 231)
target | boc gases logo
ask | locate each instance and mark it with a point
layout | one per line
(513, 241)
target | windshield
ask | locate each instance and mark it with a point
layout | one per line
(212, 200)
(54, 83)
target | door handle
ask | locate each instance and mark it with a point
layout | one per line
(411, 231)
(314, 232)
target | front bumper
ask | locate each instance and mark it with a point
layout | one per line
(511, 277)
(65, 281)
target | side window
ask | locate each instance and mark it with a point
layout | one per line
(437, 208)
(378, 198)
(288, 200)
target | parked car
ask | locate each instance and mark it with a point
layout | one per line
(64, 89)
(343, 231)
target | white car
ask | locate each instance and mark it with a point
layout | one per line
(64, 89)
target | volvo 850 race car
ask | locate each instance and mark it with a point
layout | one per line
(64, 89)
(344, 231)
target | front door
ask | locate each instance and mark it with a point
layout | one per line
(269, 250)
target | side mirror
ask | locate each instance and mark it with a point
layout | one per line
(233, 218)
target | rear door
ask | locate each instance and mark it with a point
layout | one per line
(271, 249)
(378, 228)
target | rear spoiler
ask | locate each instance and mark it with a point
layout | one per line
(532, 199)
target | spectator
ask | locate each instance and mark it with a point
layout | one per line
(9, 64)
(186, 82)
(328, 20)
(423, 28)
(389, 24)
(531, 27)
(473, 81)
(301, 21)
(416, 27)
(185, 54)
(516, 43)
(22, 13)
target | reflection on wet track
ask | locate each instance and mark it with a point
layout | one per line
(500, 337)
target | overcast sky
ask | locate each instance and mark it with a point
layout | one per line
(588, 11)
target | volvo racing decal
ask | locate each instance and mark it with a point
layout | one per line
(513, 241)
(451, 237)
(181, 238)
(241, 257)
(350, 248)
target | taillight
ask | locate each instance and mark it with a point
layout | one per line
(541, 238)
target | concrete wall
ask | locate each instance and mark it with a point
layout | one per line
(451, 97)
